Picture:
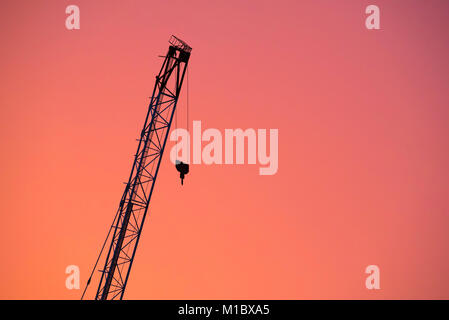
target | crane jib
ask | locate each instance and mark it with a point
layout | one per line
(126, 228)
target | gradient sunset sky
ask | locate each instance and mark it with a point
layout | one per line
(363, 173)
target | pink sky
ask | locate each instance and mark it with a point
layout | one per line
(363, 147)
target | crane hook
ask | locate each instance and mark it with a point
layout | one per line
(183, 169)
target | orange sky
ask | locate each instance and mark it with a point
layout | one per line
(363, 147)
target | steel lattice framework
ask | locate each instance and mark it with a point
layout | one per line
(133, 208)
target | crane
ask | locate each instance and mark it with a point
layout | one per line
(126, 229)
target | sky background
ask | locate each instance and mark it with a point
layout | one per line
(363, 147)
